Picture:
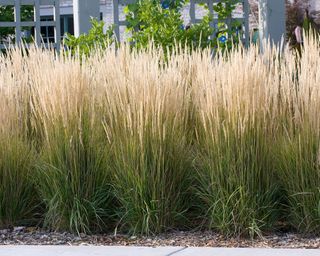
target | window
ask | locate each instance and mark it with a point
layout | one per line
(66, 26)
(47, 32)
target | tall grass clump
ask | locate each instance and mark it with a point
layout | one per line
(146, 126)
(236, 182)
(297, 149)
(72, 174)
(298, 166)
(18, 197)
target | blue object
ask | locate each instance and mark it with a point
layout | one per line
(223, 39)
(165, 4)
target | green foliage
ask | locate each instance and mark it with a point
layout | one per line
(162, 23)
(297, 158)
(85, 44)
(148, 20)
(72, 177)
(236, 180)
(150, 182)
(18, 197)
(72, 180)
(227, 28)
(225, 8)
(150, 174)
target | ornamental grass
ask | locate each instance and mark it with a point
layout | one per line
(143, 143)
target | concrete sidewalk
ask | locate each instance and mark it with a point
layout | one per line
(145, 251)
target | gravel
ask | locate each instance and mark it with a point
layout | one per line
(34, 236)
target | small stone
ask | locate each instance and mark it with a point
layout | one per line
(18, 229)
(4, 231)
(194, 239)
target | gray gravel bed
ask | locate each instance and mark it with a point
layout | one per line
(32, 236)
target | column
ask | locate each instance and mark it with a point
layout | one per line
(83, 11)
(272, 20)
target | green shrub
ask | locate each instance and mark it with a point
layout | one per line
(149, 20)
(85, 44)
(161, 22)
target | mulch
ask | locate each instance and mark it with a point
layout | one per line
(35, 236)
